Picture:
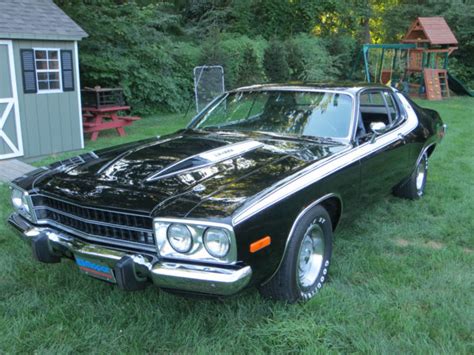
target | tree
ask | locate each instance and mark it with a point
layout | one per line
(249, 71)
(275, 62)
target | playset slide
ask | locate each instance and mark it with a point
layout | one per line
(457, 86)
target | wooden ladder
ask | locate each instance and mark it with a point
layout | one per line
(436, 83)
(443, 82)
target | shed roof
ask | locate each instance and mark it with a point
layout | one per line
(36, 19)
(433, 30)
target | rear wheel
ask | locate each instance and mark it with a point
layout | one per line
(305, 264)
(414, 188)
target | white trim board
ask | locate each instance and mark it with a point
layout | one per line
(78, 89)
(12, 103)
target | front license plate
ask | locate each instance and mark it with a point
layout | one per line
(95, 269)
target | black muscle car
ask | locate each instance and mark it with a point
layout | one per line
(249, 194)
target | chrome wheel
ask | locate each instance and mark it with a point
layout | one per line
(420, 176)
(311, 255)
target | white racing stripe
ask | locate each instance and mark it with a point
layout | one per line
(229, 151)
(327, 166)
(211, 157)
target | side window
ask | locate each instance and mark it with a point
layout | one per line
(376, 106)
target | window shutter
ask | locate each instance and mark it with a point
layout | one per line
(28, 69)
(67, 70)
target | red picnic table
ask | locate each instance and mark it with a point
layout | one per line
(96, 119)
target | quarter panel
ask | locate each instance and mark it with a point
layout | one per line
(277, 220)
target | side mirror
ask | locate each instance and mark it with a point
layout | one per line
(378, 127)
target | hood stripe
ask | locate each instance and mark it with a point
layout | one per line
(210, 157)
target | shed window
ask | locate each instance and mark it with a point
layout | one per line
(48, 70)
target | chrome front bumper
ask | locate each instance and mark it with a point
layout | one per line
(142, 268)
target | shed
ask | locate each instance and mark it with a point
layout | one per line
(40, 103)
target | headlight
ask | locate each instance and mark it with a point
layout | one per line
(179, 237)
(19, 201)
(217, 242)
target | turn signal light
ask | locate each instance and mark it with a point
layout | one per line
(260, 244)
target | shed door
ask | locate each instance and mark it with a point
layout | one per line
(11, 144)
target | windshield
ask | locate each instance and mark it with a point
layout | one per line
(299, 113)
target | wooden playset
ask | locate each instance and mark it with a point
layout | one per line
(418, 65)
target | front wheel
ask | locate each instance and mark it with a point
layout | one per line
(305, 264)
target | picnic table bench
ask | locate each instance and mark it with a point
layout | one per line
(96, 119)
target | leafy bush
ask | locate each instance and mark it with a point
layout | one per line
(240, 56)
(132, 47)
(310, 60)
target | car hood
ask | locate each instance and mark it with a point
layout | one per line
(182, 174)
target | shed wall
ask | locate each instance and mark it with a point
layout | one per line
(49, 121)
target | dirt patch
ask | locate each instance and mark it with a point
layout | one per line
(431, 244)
(434, 245)
(402, 242)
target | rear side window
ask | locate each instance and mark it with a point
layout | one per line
(377, 106)
(373, 108)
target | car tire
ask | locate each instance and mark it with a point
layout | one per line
(305, 264)
(414, 187)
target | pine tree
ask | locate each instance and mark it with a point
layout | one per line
(275, 62)
(249, 71)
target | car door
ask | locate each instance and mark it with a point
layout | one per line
(385, 161)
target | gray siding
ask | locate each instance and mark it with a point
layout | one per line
(50, 121)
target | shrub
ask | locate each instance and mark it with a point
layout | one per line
(309, 59)
(232, 52)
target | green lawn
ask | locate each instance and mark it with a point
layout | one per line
(402, 280)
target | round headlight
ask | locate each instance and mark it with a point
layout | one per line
(19, 200)
(217, 242)
(180, 238)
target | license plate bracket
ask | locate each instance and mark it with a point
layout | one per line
(95, 269)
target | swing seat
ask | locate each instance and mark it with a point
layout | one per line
(385, 76)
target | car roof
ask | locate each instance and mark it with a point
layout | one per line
(350, 87)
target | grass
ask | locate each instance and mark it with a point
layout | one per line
(401, 281)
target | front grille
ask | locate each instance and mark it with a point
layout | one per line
(95, 222)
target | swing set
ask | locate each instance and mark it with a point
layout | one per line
(386, 63)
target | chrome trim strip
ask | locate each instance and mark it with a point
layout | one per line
(198, 251)
(90, 221)
(423, 151)
(325, 167)
(295, 223)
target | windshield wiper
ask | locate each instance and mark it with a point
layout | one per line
(323, 139)
(312, 139)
